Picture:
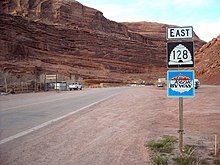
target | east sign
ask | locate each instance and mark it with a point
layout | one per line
(179, 32)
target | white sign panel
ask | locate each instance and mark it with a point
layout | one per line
(51, 77)
(179, 32)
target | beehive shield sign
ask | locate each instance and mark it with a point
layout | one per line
(180, 54)
(180, 83)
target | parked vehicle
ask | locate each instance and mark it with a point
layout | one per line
(196, 83)
(161, 82)
(75, 86)
(61, 86)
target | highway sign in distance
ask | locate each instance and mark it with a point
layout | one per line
(51, 77)
(179, 32)
(180, 54)
(180, 83)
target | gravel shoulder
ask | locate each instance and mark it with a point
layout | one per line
(116, 130)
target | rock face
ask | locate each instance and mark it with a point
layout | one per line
(68, 13)
(65, 37)
(156, 32)
(208, 62)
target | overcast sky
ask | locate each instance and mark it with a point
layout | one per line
(203, 15)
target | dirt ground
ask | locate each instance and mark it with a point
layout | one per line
(115, 131)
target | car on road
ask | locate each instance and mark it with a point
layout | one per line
(196, 83)
(75, 86)
(161, 82)
(161, 85)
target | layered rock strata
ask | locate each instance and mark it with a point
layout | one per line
(65, 37)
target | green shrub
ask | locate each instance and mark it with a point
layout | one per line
(188, 158)
(185, 160)
(160, 160)
(165, 145)
(189, 149)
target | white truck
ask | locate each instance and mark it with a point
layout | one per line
(75, 86)
(161, 82)
(196, 83)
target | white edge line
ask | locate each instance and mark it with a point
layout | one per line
(23, 133)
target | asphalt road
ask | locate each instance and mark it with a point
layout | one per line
(102, 126)
(21, 114)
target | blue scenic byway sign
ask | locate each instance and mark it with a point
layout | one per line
(180, 83)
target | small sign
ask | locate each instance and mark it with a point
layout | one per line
(51, 77)
(180, 32)
(180, 54)
(180, 83)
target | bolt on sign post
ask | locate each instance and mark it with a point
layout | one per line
(180, 83)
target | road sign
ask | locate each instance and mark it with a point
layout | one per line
(180, 54)
(51, 77)
(180, 83)
(180, 32)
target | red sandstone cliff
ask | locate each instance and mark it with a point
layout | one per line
(208, 62)
(156, 32)
(65, 37)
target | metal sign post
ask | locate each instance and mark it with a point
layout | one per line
(181, 125)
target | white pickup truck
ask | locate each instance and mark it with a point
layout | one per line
(75, 86)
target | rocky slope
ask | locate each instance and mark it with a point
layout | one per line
(65, 37)
(156, 32)
(208, 62)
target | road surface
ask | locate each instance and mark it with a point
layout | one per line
(21, 113)
(112, 131)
